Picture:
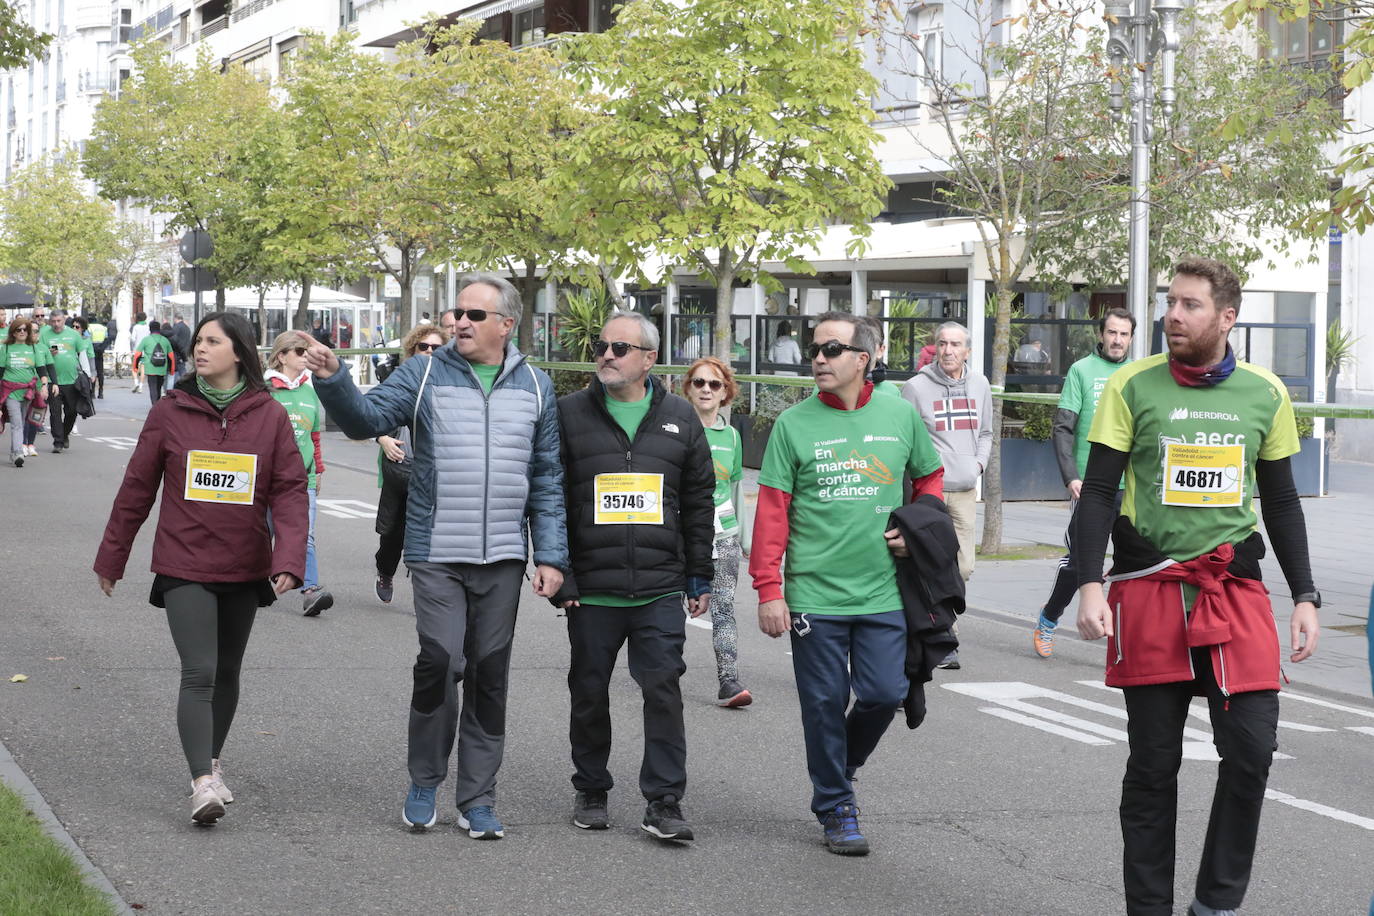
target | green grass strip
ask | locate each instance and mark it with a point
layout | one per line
(37, 876)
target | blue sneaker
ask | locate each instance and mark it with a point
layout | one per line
(842, 835)
(481, 824)
(419, 808)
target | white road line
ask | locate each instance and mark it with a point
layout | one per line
(1198, 710)
(1289, 695)
(1362, 729)
(701, 622)
(120, 443)
(1318, 808)
(1044, 726)
(347, 508)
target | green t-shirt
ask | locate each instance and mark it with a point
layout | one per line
(486, 374)
(844, 471)
(303, 410)
(66, 357)
(147, 347)
(21, 362)
(1083, 388)
(727, 457)
(887, 386)
(1191, 474)
(627, 415)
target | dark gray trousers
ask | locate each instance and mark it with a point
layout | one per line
(465, 620)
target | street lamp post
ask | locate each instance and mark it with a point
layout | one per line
(1139, 33)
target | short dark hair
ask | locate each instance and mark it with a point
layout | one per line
(864, 338)
(784, 329)
(1225, 283)
(154, 326)
(240, 334)
(141, 316)
(1115, 311)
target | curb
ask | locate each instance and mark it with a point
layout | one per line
(16, 779)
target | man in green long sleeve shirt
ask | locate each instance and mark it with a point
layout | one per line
(71, 354)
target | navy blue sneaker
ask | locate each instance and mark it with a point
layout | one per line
(481, 824)
(419, 808)
(842, 835)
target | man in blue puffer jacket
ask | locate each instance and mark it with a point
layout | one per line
(484, 427)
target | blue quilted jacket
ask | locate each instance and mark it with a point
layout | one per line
(486, 471)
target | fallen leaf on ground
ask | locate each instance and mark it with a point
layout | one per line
(19, 679)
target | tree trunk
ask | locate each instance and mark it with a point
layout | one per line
(219, 298)
(1151, 284)
(992, 474)
(262, 315)
(725, 303)
(608, 280)
(301, 321)
(529, 295)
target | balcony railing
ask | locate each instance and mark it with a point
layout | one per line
(249, 9)
(213, 26)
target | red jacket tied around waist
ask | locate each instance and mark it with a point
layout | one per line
(1154, 631)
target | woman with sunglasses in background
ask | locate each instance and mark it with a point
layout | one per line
(290, 387)
(37, 414)
(225, 456)
(23, 364)
(711, 386)
(393, 475)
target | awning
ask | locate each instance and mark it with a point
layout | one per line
(14, 295)
(246, 297)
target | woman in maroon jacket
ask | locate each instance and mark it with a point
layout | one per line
(225, 454)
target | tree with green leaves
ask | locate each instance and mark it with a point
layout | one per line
(377, 151)
(1351, 208)
(51, 232)
(19, 41)
(187, 139)
(731, 135)
(1016, 110)
(1241, 128)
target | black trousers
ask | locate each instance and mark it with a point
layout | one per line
(155, 383)
(656, 633)
(99, 380)
(391, 526)
(62, 415)
(1244, 728)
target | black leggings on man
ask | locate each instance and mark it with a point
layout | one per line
(1244, 727)
(154, 386)
(99, 382)
(211, 633)
(62, 415)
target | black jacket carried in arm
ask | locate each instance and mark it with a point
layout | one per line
(636, 560)
(932, 593)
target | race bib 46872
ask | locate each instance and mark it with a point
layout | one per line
(221, 477)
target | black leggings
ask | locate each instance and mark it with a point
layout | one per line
(211, 634)
(154, 385)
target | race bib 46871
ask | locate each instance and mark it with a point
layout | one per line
(221, 477)
(1203, 475)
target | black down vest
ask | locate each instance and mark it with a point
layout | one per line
(636, 560)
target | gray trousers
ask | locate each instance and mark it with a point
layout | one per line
(15, 418)
(465, 619)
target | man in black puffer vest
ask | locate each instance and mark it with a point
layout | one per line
(639, 480)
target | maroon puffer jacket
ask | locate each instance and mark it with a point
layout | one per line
(208, 541)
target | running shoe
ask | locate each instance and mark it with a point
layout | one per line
(385, 591)
(951, 662)
(316, 599)
(842, 835)
(1042, 637)
(663, 818)
(1195, 909)
(589, 810)
(206, 805)
(481, 824)
(17, 458)
(217, 782)
(733, 695)
(419, 810)
(31, 451)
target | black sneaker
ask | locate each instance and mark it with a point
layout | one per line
(385, 590)
(733, 695)
(314, 600)
(663, 818)
(951, 662)
(842, 835)
(589, 810)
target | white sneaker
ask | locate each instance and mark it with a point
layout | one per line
(30, 451)
(206, 805)
(217, 783)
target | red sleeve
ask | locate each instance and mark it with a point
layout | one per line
(933, 483)
(771, 530)
(134, 500)
(319, 456)
(138, 358)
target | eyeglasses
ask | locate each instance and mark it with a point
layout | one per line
(715, 383)
(474, 314)
(619, 348)
(424, 347)
(831, 349)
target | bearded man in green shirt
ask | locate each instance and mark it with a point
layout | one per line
(71, 354)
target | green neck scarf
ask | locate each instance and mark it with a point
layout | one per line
(220, 397)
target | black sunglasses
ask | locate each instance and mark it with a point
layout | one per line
(299, 351)
(619, 348)
(425, 347)
(831, 349)
(473, 314)
(715, 383)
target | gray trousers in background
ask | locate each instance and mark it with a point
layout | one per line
(465, 619)
(15, 414)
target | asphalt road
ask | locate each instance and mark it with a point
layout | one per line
(1003, 802)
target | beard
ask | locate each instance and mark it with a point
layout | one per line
(1204, 349)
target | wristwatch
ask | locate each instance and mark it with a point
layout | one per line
(1313, 596)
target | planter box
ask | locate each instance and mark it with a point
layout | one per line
(1307, 468)
(1030, 471)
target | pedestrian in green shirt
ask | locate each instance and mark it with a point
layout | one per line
(25, 374)
(155, 358)
(71, 355)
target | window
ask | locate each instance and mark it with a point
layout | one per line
(605, 12)
(492, 29)
(1312, 40)
(529, 27)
